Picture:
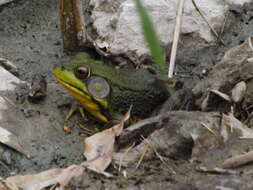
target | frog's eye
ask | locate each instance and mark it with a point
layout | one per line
(98, 87)
(82, 72)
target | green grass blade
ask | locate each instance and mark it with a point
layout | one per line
(151, 37)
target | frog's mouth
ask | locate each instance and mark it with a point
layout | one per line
(91, 105)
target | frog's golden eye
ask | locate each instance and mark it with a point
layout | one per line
(82, 72)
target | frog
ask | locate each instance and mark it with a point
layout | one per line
(103, 90)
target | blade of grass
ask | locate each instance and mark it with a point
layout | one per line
(151, 37)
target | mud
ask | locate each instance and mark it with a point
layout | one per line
(30, 38)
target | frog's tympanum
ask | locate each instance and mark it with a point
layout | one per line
(103, 90)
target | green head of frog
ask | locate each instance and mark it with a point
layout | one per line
(103, 90)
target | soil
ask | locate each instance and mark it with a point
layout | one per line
(31, 39)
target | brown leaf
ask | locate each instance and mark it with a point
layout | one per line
(99, 148)
(46, 178)
(11, 140)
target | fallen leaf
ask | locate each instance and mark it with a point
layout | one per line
(11, 140)
(8, 82)
(99, 148)
(2, 187)
(46, 178)
(229, 121)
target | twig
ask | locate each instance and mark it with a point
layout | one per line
(86, 130)
(53, 186)
(9, 184)
(224, 23)
(125, 153)
(7, 64)
(146, 148)
(209, 25)
(72, 24)
(96, 46)
(238, 160)
(176, 38)
(79, 21)
(4, 165)
(217, 171)
(211, 131)
(147, 142)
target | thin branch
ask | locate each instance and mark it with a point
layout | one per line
(209, 25)
(79, 21)
(238, 160)
(176, 38)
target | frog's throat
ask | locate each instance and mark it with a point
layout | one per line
(86, 101)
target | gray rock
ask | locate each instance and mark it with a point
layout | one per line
(119, 29)
(237, 2)
(238, 91)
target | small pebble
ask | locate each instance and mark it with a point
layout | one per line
(37, 89)
(6, 157)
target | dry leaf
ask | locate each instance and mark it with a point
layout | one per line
(99, 148)
(2, 187)
(8, 82)
(234, 124)
(11, 140)
(46, 178)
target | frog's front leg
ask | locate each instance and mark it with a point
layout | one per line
(74, 108)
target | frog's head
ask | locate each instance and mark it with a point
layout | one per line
(90, 89)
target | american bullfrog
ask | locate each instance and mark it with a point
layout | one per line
(103, 90)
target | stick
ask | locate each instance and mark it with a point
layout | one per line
(176, 38)
(238, 160)
(72, 24)
(209, 25)
(79, 21)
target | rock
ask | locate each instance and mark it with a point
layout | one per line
(119, 30)
(237, 2)
(232, 68)
(37, 88)
(177, 134)
(238, 91)
(249, 93)
(6, 157)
